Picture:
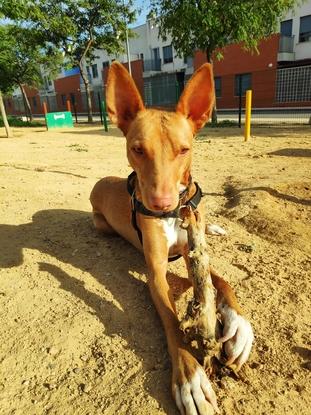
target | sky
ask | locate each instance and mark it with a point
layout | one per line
(143, 5)
(141, 17)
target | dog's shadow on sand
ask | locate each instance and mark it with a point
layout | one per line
(69, 236)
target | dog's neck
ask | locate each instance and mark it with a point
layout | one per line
(190, 196)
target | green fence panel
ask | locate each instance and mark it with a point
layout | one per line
(59, 120)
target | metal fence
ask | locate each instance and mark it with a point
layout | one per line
(50, 101)
(293, 84)
(268, 116)
(162, 90)
(281, 96)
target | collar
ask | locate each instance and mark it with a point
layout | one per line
(138, 206)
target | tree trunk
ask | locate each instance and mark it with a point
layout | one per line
(26, 102)
(214, 113)
(208, 55)
(88, 94)
(4, 117)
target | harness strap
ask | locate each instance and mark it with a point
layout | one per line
(138, 206)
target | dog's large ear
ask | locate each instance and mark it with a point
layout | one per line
(123, 98)
(197, 101)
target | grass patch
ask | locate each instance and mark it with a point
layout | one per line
(222, 124)
(18, 122)
(77, 147)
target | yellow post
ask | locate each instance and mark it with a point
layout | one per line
(248, 109)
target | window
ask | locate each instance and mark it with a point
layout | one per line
(47, 82)
(217, 81)
(305, 29)
(88, 71)
(155, 64)
(34, 102)
(167, 54)
(72, 98)
(244, 82)
(94, 71)
(286, 28)
(188, 60)
(63, 99)
(105, 64)
(156, 54)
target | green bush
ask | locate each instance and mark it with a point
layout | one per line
(18, 122)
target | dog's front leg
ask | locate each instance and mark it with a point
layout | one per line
(237, 333)
(190, 386)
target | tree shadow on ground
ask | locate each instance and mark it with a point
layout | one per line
(257, 132)
(292, 152)
(233, 195)
(305, 353)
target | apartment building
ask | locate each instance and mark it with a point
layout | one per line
(280, 75)
(162, 73)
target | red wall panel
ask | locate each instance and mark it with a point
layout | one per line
(235, 61)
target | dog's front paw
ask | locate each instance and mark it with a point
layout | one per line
(237, 336)
(191, 388)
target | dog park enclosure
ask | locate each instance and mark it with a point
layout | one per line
(79, 333)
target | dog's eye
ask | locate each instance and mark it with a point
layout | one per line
(138, 150)
(184, 150)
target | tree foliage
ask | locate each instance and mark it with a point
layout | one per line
(211, 25)
(22, 58)
(77, 27)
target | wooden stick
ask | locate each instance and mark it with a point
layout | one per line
(200, 322)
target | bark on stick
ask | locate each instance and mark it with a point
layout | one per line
(200, 322)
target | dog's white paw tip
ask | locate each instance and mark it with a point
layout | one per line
(237, 336)
(196, 396)
(214, 229)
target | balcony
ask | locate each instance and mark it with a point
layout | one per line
(286, 48)
(153, 65)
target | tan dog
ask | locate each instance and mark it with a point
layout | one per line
(159, 149)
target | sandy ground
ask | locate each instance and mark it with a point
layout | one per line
(79, 335)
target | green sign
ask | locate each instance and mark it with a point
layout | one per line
(59, 120)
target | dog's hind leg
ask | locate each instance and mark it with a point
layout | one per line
(101, 224)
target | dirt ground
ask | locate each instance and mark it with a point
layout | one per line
(79, 334)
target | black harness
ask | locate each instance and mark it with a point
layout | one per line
(137, 206)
